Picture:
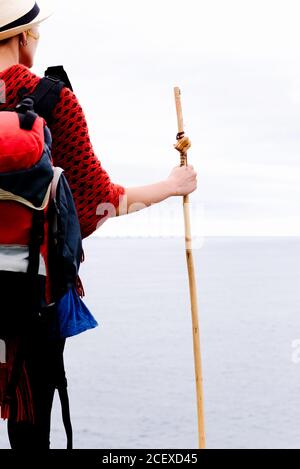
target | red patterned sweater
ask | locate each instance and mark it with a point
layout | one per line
(71, 149)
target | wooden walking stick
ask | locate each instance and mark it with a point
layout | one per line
(182, 148)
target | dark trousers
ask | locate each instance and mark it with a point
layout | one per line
(43, 357)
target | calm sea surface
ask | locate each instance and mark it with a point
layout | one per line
(131, 380)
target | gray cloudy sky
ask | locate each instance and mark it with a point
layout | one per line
(238, 65)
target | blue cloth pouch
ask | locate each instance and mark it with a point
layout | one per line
(73, 317)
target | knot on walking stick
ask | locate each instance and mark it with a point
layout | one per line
(183, 143)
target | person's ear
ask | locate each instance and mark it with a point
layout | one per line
(23, 39)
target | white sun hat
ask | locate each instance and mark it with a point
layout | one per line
(19, 15)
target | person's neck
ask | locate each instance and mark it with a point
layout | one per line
(8, 57)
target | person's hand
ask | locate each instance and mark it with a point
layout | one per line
(182, 180)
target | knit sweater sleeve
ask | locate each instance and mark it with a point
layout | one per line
(72, 150)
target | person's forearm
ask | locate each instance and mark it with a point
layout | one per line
(181, 181)
(138, 198)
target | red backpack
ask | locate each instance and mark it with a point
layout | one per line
(40, 239)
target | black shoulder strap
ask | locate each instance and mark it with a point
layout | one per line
(59, 73)
(47, 93)
(46, 96)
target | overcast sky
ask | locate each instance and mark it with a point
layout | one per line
(238, 66)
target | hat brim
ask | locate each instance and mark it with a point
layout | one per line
(42, 16)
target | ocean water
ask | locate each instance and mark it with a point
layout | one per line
(131, 380)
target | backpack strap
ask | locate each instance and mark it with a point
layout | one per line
(57, 173)
(36, 240)
(59, 73)
(61, 384)
(66, 416)
(47, 93)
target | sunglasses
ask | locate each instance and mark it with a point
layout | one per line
(31, 34)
